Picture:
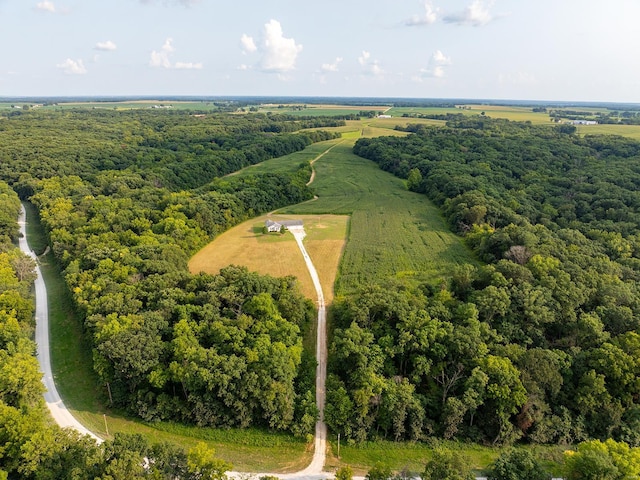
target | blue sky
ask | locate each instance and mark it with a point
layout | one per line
(582, 50)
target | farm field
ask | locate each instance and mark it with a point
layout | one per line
(630, 131)
(393, 232)
(277, 254)
(518, 114)
(320, 110)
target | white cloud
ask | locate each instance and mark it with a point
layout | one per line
(331, 67)
(72, 67)
(476, 14)
(278, 53)
(429, 16)
(369, 66)
(248, 45)
(162, 58)
(436, 67)
(46, 6)
(107, 46)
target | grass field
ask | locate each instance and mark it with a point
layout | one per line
(248, 450)
(412, 457)
(288, 163)
(631, 131)
(393, 232)
(279, 255)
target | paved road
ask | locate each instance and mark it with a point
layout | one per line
(58, 410)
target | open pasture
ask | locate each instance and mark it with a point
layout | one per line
(278, 255)
(288, 163)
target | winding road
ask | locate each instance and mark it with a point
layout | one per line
(58, 410)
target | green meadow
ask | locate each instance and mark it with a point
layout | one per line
(393, 232)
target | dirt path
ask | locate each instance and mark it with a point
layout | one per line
(58, 410)
(313, 170)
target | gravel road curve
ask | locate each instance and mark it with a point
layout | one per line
(58, 410)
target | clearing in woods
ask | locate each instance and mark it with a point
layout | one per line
(278, 254)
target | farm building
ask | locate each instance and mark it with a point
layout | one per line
(273, 226)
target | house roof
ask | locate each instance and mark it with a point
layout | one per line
(286, 223)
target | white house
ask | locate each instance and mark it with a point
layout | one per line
(273, 226)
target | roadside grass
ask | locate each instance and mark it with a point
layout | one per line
(278, 255)
(413, 456)
(248, 449)
(392, 233)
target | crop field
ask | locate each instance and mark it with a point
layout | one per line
(631, 131)
(393, 232)
(288, 163)
(517, 114)
(321, 110)
(278, 255)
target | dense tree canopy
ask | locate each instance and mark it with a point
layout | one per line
(126, 198)
(541, 342)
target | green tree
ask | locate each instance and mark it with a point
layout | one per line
(379, 471)
(596, 460)
(447, 464)
(414, 180)
(344, 473)
(517, 464)
(203, 464)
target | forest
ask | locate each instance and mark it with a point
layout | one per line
(541, 343)
(30, 446)
(222, 350)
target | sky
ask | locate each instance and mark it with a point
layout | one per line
(563, 50)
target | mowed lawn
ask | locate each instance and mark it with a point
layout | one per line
(278, 255)
(392, 233)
